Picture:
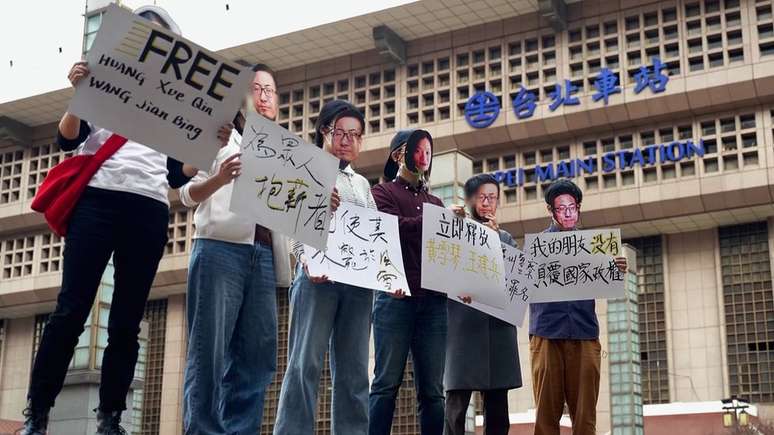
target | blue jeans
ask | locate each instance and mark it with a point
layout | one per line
(417, 324)
(320, 314)
(232, 337)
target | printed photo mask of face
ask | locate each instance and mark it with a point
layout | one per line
(566, 211)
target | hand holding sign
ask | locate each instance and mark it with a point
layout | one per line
(515, 287)
(286, 184)
(461, 257)
(359, 251)
(78, 72)
(575, 265)
(154, 87)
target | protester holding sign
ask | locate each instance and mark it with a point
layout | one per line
(416, 323)
(133, 182)
(564, 338)
(328, 315)
(482, 351)
(235, 268)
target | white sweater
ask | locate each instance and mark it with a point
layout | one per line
(134, 168)
(215, 221)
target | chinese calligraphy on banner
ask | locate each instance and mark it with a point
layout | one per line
(574, 265)
(359, 250)
(286, 183)
(517, 290)
(461, 257)
(159, 89)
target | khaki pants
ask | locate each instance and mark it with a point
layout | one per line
(565, 370)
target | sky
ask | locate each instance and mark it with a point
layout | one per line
(42, 38)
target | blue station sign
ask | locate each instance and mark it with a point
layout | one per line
(609, 162)
(483, 108)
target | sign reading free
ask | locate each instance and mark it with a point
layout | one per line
(158, 89)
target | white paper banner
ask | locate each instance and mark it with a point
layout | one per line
(574, 265)
(461, 257)
(516, 288)
(363, 250)
(286, 183)
(159, 89)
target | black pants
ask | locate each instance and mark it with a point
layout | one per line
(496, 420)
(133, 229)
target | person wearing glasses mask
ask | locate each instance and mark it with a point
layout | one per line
(328, 315)
(564, 338)
(482, 352)
(234, 271)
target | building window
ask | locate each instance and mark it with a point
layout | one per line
(11, 176)
(42, 158)
(405, 420)
(749, 310)
(714, 35)
(273, 391)
(763, 15)
(156, 316)
(652, 33)
(179, 232)
(40, 325)
(652, 329)
(16, 256)
(92, 25)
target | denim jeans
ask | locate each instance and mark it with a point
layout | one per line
(417, 324)
(104, 222)
(232, 337)
(322, 315)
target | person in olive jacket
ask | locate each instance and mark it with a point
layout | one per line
(482, 351)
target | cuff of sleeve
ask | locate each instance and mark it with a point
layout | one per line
(185, 196)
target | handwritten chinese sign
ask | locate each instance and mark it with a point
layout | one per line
(286, 183)
(461, 257)
(517, 289)
(362, 250)
(574, 265)
(158, 89)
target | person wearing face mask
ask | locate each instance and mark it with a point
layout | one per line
(134, 181)
(482, 352)
(564, 338)
(234, 271)
(416, 323)
(328, 315)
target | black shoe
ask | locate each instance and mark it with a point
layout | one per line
(35, 422)
(108, 423)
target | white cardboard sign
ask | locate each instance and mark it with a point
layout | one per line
(574, 265)
(461, 257)
(286, 183)
(363, 250)
(158, 89)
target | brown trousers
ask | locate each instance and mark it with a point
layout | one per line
(565, 370)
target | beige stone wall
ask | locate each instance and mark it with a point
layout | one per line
(695, 333)
(16, 367)
(174, 366)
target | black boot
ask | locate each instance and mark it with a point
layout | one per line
(108, 423)
(35, 421)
